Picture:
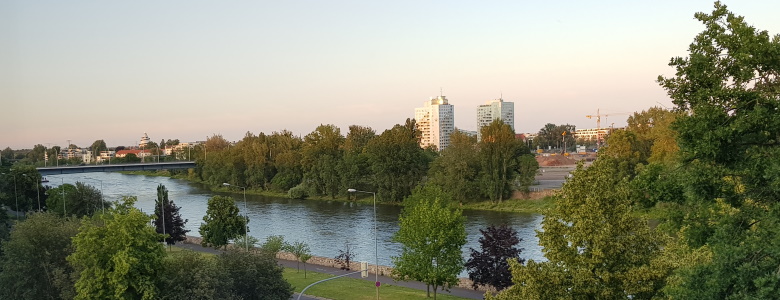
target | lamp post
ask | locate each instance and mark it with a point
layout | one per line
(16, 196)
(37, 190)
(376, 242)
(246, 214)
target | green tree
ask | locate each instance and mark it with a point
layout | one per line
(301, 252)
(169, 223)
(596, 247)
(191, 275)
(322, 154)
(273, 244)
(397, 162)
(431, 234)
(98, 145)
(117, 255)
(21, 187)
(499, 152)
(457, 168)
(354, 169)
(222, 222)
(80, 200)
(552, 136)
(252, 276)
(728, 93)
(34, 264)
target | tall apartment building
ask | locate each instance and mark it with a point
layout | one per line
(492, 110)
(435, 121)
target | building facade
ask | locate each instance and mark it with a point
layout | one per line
(435, 121)
(493, 110)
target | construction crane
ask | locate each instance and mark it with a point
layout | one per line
(598, 116)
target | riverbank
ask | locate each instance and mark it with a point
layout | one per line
(537, 201)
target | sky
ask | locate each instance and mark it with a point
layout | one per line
(114, 70)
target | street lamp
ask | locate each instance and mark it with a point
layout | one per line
(376, 242)
(246, 213)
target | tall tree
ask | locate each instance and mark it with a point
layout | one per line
(322, 154)
(498, 155)
(118, 255)
(21, 188)
(596, 248)
(222, 222)
(167, 220)
(555, 136)
(490, 266)
(98, 145)
(397, 161)
(354, 169)
(728, 93)
(34, 264)
(191, 275)
(431, 234)
(457, 168)
(79, 200)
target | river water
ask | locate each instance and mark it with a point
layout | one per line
(324, 225)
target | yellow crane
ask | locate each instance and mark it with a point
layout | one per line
(598, 116)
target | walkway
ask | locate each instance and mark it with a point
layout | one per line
(460, 292)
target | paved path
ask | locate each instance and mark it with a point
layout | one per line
(460, 292)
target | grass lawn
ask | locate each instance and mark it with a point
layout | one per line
(514, 205)
(351, 288)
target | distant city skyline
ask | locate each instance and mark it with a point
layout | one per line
(86, 70)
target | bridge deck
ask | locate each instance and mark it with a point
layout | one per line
(116, 168)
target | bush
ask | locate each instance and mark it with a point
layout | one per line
(298, 192)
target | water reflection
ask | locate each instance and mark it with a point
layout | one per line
(324, 225)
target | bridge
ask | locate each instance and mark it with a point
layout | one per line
(117, 168)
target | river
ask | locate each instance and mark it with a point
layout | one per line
(324, 225)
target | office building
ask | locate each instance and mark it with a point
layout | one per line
(435, 121)
(493, 110)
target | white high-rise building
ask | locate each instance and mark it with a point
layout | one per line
(435, 121)
(492, 110)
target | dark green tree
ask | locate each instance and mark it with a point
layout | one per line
(431, 234)
(322, 154)
(458, 167)
(252, 276)
(190, 275)
(397, 162)
(167, 220)
(728, 93)
(222, 222)
(490, 265)
(499, 152)
(552, 136)
(34, 264)
(80, 200)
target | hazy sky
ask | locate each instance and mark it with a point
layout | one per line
(87, 70)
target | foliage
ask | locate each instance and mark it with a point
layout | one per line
(298, 192)
(80, 200)
(34, 264)
(301, 252)
(321, 155)
(499, 156)
(431, 233)
(117, 255)
(457, 168)
(98, 145)
(728, 93)
(254, 276)
(490, 266)
(21, 187)
(595, 246)
(170, 222)
(190, 275)
(555, 136)
(221, 222)
(245, 241)
(273, 244)
(397, 162)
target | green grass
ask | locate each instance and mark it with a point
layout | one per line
(515, 205)
(351, 288)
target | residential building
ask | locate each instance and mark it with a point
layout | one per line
(493, 110)
(590, 134)
(138, 153)
(144, 140)
(435, 121)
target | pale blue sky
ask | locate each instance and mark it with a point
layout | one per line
(87, 70)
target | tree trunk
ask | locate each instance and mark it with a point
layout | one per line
(434, 291)
(427, 290)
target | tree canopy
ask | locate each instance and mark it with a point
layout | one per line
(222, 222)
(167, 220)
(431, 234)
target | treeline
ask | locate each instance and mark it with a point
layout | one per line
(325, 163)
